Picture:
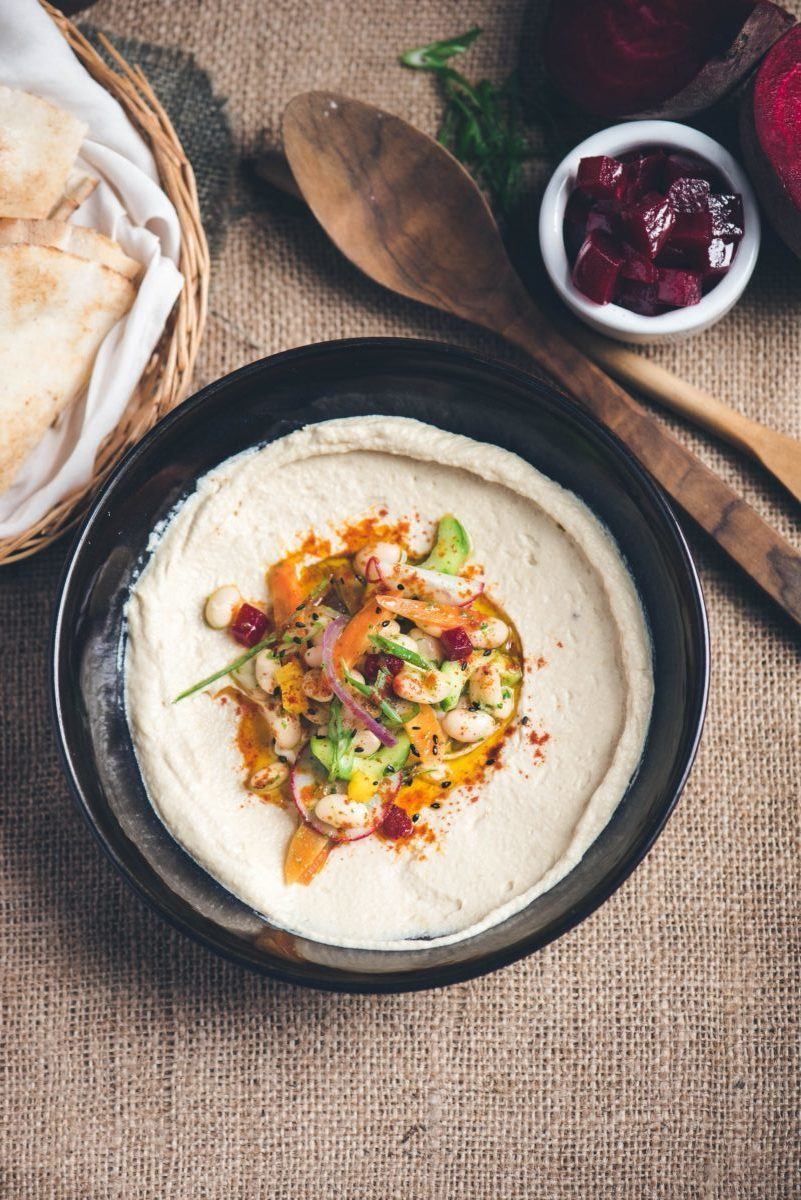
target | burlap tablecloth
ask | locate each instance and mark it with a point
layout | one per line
(649, 1053)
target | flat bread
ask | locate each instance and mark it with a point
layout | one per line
(75, 239)
(55, 310)
(38, 146)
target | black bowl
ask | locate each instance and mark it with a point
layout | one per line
(456, 391)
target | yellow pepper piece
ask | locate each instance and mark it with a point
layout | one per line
(290, 681)
(361, 788)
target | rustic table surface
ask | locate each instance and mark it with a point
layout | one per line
(649, 1053)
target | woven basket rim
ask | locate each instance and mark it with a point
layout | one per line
(168, 374)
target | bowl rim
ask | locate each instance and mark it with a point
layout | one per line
(613, 319)
(421, 978)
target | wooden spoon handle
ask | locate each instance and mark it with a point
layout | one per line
(771, 561)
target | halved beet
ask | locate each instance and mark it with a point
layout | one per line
(678, 289)
(647, 224)
(597, 268)
(770, 132)
(618, 58)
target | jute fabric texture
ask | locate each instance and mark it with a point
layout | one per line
(652, 1052)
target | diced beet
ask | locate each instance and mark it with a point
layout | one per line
(638, 297)
(692, 233)
(597, 268)
(678, 289)
(396, 824)
(718, 258)
(577, 210)
(647, 225)
(371, 667)
(601, 177)
(636, 266)
(727, 216)
(249, 625)
(456, 643)
(601, 222)
(672, 256)
(689, 195)
(687, 166)
(643, 174)
(392, 664)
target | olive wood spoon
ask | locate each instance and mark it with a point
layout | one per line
(405, 212)
(778, 452)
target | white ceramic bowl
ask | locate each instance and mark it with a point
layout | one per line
(611, 319)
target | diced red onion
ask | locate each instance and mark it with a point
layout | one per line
(330, 639)
(372, 572)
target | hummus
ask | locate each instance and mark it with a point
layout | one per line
(569, 752)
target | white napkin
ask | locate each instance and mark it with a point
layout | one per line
(127, 205)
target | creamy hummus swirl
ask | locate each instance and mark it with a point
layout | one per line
(584, 706)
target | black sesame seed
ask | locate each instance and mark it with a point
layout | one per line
(384, 624)
(490, 762)
(524, 720)
(487, 653)
(299, 625)
(446, 784)
(297, 640)
(401, 588)
(416, 818)
(474, 707)
(415, 751)
(436, 803)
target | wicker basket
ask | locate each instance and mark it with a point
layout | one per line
(168, 374)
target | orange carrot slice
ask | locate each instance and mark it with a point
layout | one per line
(425, 734)
(285, 590)
(441, 615)
(306, 854)
(354, 641)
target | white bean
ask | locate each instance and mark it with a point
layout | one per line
(337, 810)
(486, 687)
(266, 667)
(422, 687)
(316, 686)
(313, 657)
(388, 556)
(365, 743)
(465, 726)
(429, 647)
(221, 606)
(506, 706)
(490, 633)
(267, 779)
(286, 730)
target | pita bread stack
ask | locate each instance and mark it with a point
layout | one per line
(62, 287)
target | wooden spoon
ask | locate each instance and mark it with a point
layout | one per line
(409, 215)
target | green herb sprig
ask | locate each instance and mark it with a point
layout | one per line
(234, 666)
(373, 693)
(409, 656)
(481, 125)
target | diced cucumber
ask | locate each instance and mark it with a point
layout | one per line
(456, 675)
(323, 751)
(451, 549)
(375, 766)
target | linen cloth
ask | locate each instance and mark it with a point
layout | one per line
(652, 1053)
(127, 205)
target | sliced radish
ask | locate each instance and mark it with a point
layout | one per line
(431, 585)
(372, 572)
(308, 789)
(339, 689)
